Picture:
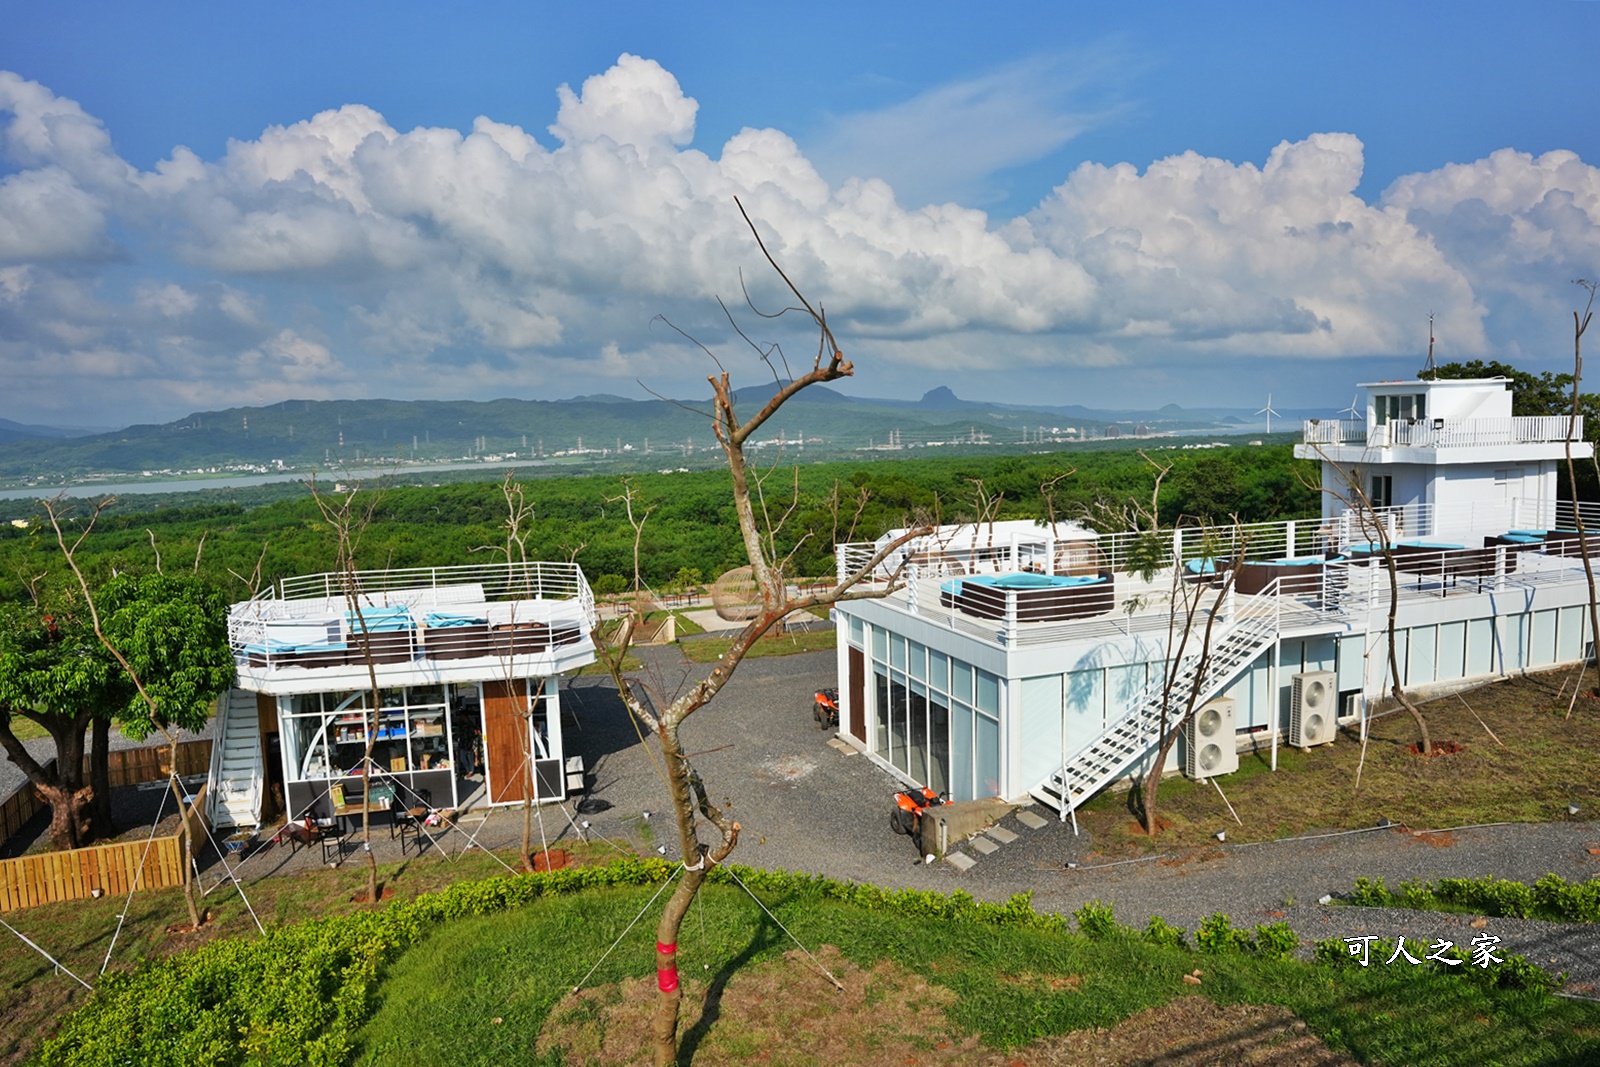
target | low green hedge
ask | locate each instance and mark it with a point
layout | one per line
(1551, 897)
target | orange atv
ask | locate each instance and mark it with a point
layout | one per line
(909, 805)
(825, 708)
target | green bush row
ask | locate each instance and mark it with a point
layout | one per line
(1217, 934)
(1551, 897)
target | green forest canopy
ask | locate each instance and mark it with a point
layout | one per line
(690, 527)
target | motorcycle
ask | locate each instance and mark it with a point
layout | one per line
(909, 807)
(825, 708)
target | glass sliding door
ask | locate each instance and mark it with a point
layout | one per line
(917, 733)
(938, 744)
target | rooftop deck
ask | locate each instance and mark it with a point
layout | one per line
(1443, 433)
(418, 626)
(1312, 575)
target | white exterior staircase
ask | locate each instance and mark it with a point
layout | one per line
(1251, 631)
(237, 773)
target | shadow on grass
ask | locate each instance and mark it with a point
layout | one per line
(765, 937)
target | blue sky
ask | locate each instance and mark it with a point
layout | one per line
(210, 205)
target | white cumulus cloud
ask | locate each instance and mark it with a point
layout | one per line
(341, 256)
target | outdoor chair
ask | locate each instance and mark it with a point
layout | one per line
(406, 823)
(301, 834)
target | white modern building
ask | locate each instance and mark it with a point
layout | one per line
(1019, 659)
(467, 662)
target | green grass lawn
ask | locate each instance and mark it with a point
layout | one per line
(477, 981)
(712, 648)
(478, 990)
(1536, 762)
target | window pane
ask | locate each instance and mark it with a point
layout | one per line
(961, 753)
(855, 631)
(988, 693)
(918, 667)
(960, 681)
(938, 745)
(987, 745)
(918, 733)
(880, 643)
(938, 671)
(897, 651)
(880, 738)
(897, 723)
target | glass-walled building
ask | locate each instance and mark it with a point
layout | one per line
(468, 663)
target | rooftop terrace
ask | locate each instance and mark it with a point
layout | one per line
(1309, 574)
(419, 626)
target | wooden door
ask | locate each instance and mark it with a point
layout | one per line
(505, 740)
(858, 695)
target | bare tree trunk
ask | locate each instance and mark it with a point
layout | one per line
(71, 820)
(188, 833)
(684, 784)
(1579, 325)
(1395, 688)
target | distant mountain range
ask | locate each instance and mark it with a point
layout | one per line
(19, 431)
(297, 434)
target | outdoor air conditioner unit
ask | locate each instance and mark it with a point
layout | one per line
(1312, 709)
(1209, 745)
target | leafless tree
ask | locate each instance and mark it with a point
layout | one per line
(1194, 605)
(662, 717)
(349, 514)
(1371, 524)
(1580, 323)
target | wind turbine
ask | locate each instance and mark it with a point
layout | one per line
(1352, 411)
(1268, 412)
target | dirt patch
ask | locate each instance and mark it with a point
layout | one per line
(781, 1013)
(1443, 839)
(785, 1013)
(386, 893)
(1186, 1032)
(1136, 828)
(1440, 748)
(553, 860)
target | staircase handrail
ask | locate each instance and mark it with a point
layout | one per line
(1259, 618)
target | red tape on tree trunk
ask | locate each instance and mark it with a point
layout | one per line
(667, 977)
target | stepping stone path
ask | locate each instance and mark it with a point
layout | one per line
(989, 841)
(960, 861)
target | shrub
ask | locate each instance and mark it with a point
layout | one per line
(1276, 941)
(1217, 935)
(1161, 932)
(1418, 896)
(1094, 920)
(1370, 893)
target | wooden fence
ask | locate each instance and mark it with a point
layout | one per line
(127, 766)
(44, 878)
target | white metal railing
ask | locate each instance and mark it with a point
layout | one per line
(1443, 546)
(1334, 431)
(498, 581)
(1444, 433)
(1250, 626)
(411, 613)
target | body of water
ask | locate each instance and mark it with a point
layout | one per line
(240, 481)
